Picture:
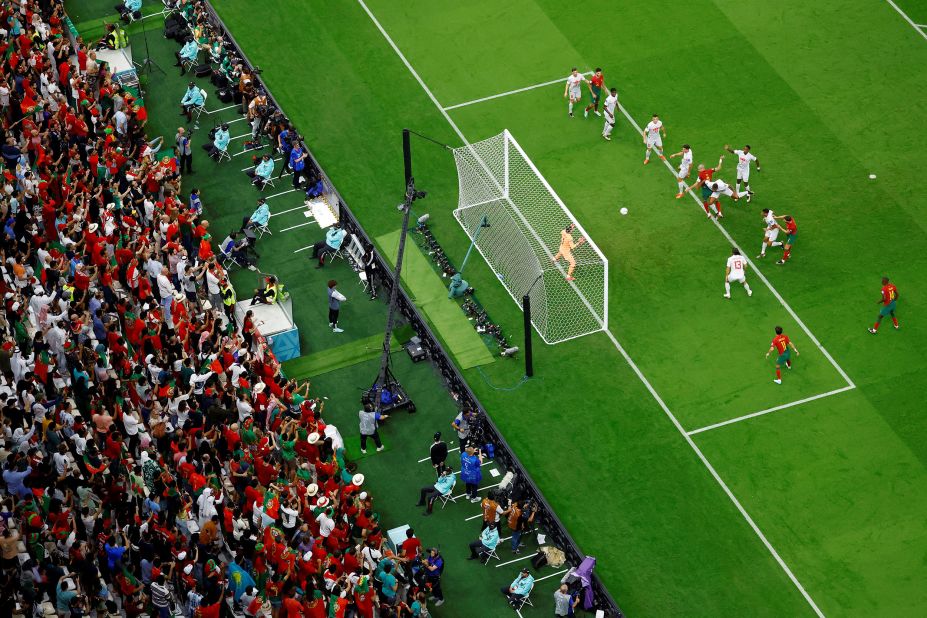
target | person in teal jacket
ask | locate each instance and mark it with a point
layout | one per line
(192, 98)
(519, 589)
(261, 216)
(443, 486)
(220, 142)
(187, 53)
(260, 174)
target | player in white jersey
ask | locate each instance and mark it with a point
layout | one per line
(736, 271)
(573, 89)
(771, 232)
(611, 106)
(744, 158)
(685, 165)
(719, 188)
(652, 139)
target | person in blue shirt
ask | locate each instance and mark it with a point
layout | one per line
(261, 215)
(434, 567)
(220, 142)
(285, 146)
(519, 589)
(196, 204)
(471, 472)
(489, 539)
(297, 163)
(443, 486)
(187, 53)
(390, 584)
(192, 98)
(333, 240)
(262, 172)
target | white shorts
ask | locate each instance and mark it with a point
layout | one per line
(655, 142)
(728, 192)
(576, 94)
(772, 234)
(736, 278)
(683, 172)
(743, 174)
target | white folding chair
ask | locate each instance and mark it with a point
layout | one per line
(260, 230)
(228, 260)
(525, 600)
(449, 496)
(223, 155)
(362, 280)
(199, 109)
(269, 182)
(490, 555)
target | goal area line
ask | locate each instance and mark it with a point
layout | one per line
(562, 80)
(748, 519)
(784, 406)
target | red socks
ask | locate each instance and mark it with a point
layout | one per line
(705, 206)
(876, 325)
(778, 374)
(895, 321)
(785, 255)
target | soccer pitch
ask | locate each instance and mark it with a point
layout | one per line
(663, 444)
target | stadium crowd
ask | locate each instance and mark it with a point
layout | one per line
(154, 458)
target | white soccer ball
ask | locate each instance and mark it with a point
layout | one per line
(623, 211)
(872, 176)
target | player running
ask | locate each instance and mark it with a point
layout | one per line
(736, 272)
(685, 164)
(596, 85)
(888, 300)
(611, 106)
(791, 230)
(567, 245)
(781, 343)
(771, 233)
(652, 141)
(573, 87)
(705, 174)
(744, 157)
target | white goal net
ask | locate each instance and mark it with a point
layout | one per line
(526, 218)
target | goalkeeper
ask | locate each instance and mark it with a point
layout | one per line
(567, 245)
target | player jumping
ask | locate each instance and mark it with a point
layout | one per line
(744, 157)
(685, 164)
(791, 230)
(705, 175)
(781, 343)
(566, 249)
(611, 106)
(736, 271)
(652, 141)
(596, 85)
(573, 87)
(771, 233)
(888, 300)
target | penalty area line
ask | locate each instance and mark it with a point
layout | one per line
(918, 28)
(669, 414)
(770, 410)
(562, 80)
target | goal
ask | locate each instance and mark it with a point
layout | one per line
(526, 217)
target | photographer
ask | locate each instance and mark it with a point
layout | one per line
(471, 461)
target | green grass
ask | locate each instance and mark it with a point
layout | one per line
(429, 292)
(837, 485)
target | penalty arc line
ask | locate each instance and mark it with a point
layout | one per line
(759, 273)
(917, 28)
(770, 410)
(505, 94)
(698, 452)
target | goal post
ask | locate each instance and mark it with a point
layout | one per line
(526, 217)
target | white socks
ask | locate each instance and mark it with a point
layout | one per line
(727, 288)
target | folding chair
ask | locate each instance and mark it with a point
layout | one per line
(223, 155)
(199, 109)
(269, 182)
(490, 555)
(228, 260)
(362, 280)
(449, 496)
(525, 600)
(263, 229)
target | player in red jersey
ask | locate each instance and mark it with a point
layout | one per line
(705, 175)
(781, 343)
(791, 231)
(888, 300)
(596, 86)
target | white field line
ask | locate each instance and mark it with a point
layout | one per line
(474, 517)
(505, 94)
(293, 227)
(551, 575)
(270, 197)
(759, 274)
(240, 136)
(283, 212)
(769, 410)
(236, 120)
(519, 559)
(304, 248)
(479, 490)
(698, 452)
(221, 109)
(917, 27)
